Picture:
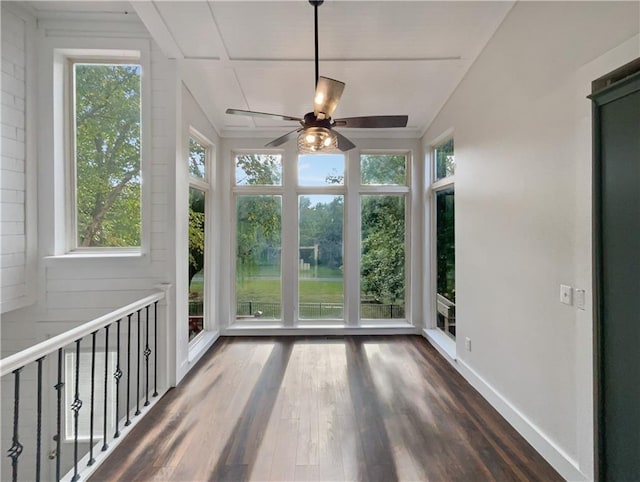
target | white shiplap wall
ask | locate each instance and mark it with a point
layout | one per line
(69, 291)
(13, 224)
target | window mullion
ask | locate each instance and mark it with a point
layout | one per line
(288, 262)
(352, 240)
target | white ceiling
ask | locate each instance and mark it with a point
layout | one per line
(396, 57)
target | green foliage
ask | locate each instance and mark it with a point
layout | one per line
(445, 244)
(382, 268)
(258, 169)
(322, 224)
(196, 231)
(444, 159)
(197, 159)
(107, 111)
(383, 169)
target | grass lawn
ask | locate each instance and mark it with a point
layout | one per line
(268, 291)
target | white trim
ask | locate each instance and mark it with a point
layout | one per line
(541, 442)
(442, 342)
(273, 330)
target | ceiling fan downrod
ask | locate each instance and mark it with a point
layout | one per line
(316, 4)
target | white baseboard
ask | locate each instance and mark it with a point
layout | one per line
(549, 450)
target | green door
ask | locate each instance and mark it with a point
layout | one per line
(617, 269)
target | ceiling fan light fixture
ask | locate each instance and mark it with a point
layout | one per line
(316, 139)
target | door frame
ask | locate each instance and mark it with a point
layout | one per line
(608, 88)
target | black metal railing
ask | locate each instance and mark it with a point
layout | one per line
(67, 409)
(258, 309)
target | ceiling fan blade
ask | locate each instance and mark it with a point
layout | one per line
(344, 144)
(328, 93)
(373, 121)
(281, 140)
(266, 115)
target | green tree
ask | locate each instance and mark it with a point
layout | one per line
(258, 226)
(196, 231)
(382, 265)
(107, 119)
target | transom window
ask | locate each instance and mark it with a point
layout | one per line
(106, 122)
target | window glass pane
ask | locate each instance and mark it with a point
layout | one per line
(258, 251)
(196, 261)
(320, 169)
(383, 169)
(107, 154)
(445, 162)
(445, 256)
(259, 170)
(197, 159)
(320, 286)
(382, 265)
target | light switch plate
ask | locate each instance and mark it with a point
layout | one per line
(580, 298)
(566, 294)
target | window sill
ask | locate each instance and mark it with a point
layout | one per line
(443, 343)
(98, 255)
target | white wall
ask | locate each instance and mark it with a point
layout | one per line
(70, 290)
(17, 226)
(523, 225)
(194, 118)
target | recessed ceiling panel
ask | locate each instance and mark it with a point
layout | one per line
(355, 30)
(192, 27)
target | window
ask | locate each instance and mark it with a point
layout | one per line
(292, 241)
(383, 235)
(444, 228)
(106, 121)
(198, 197)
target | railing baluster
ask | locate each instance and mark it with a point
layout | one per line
(16, 446)
(147, 352)
(39, 419)
(75, 407)
(105, 446)
(93, 386)
(69, 404)
(117, 375)
(59, 387)
(128, 422)
(155, 349)
(138, 370)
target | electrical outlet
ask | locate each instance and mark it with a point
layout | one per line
(467, 343)
(566, 294)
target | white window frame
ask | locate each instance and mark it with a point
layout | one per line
(352, 190)
(62, 190)
(205, 186)
(390, 190)
(435, 186)
(257, 190)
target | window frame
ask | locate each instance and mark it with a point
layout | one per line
(434, 187)
(387, 190)
(204, 185)
(255, 190)
(64, 60)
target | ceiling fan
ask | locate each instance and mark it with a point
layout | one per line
(317, 128)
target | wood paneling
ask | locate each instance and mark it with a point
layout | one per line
(346, 408)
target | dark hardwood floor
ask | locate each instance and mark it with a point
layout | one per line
(346, 408)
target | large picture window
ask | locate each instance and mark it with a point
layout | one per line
(106, 115)
(199, 153)
(383, 235)
(304, 279)
(444, 227)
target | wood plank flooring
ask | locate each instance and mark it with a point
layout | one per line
(324, 409)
